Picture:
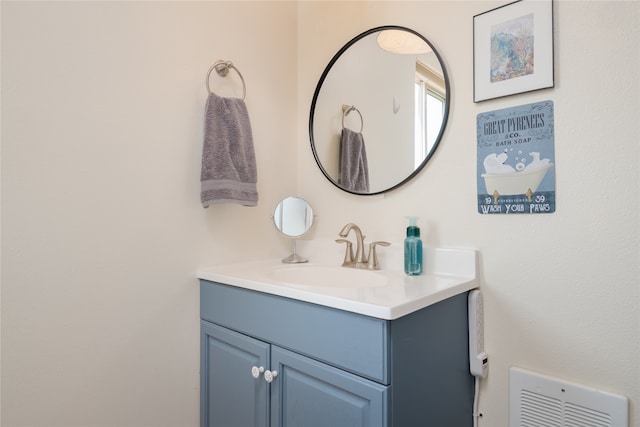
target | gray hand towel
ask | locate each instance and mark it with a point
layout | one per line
(229, 173)
(354, 170)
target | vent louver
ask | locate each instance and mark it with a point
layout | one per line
(540, 401)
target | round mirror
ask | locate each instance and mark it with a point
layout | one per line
(379, 110)
(293, 217)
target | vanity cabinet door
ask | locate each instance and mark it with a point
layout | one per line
(230, 395)
(313, 394)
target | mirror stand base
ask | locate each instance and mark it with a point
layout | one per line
(294, 258)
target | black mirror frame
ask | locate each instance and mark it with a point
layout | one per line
(324, 76)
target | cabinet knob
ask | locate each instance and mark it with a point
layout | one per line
(270, 375)
(255, 371)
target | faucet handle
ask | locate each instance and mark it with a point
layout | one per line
(373, 256)
(348, 254)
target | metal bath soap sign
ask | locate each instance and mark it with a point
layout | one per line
(516, 171)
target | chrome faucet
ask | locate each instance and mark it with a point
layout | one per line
(370, 261)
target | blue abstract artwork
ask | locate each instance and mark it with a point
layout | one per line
(512, 49)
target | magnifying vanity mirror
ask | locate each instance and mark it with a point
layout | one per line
(293, 217)
(379, 110)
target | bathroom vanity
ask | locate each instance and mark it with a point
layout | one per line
(297, 346)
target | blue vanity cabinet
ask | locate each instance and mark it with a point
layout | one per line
(303, 393)
(334, 368)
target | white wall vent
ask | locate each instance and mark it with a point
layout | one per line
(540, 401)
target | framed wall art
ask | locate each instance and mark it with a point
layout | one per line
(516, 160)
(513, 49)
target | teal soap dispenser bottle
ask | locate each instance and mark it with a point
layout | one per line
(413, 248)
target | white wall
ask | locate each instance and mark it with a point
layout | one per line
(102, 228)
(102, 231)
(561, 290)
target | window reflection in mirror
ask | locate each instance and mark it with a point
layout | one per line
(430, 95)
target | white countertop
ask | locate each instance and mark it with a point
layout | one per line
(384, 294)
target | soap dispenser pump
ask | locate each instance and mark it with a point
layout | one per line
(413, 248)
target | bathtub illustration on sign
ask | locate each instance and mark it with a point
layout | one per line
(501, 179)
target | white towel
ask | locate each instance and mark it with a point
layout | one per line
(229, 173)
(354, 170)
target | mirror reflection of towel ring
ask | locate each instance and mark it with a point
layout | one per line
(222, 68)
(346, 109)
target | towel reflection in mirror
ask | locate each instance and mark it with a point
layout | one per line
(354, 168)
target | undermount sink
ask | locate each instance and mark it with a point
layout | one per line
(321, 276)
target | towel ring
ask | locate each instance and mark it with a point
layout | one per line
(222, 68)
(346, 109)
